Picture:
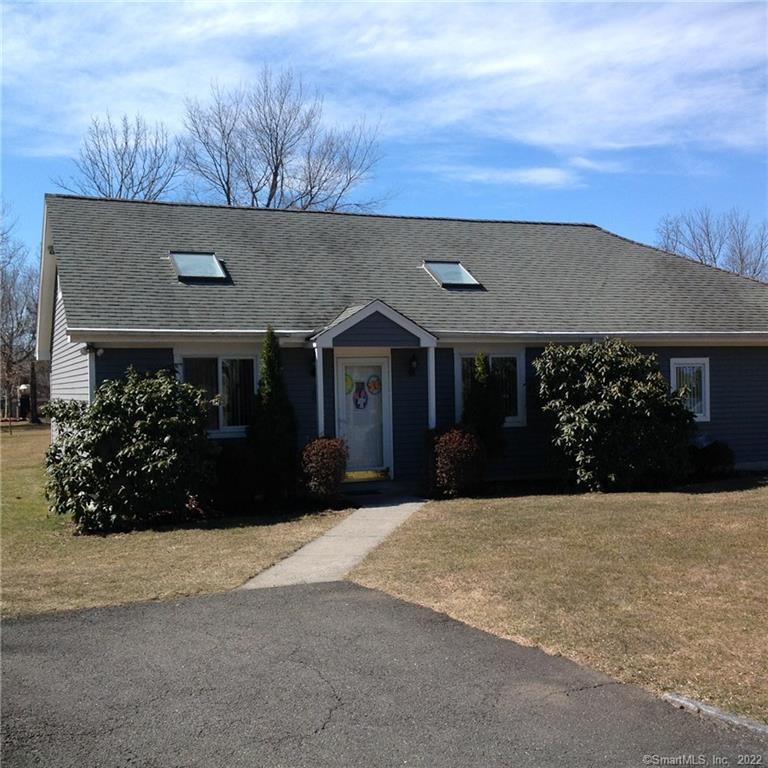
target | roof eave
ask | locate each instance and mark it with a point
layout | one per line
(46, 298)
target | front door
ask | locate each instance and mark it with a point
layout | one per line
(362, 412)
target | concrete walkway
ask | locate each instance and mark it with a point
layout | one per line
(335, 553)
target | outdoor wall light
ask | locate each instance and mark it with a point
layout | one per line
(413, 365)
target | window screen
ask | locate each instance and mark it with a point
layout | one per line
(692, 374)
(504, 368)
(203, 372)
(237, 391)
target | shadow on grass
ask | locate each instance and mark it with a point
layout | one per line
(217, 521)
(742, 481)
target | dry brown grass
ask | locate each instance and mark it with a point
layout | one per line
(46, 568)
(666, 590)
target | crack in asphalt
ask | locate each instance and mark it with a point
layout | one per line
(338, 701)
(569, 691)
(492, 698)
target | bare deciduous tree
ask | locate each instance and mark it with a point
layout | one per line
(125, 159)
(729, 240)
(264, 145)
(18, 311)
(211, 148)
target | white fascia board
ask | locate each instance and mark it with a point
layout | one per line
(325, 338)
(662, 338)
(166, 335)
(46, 298)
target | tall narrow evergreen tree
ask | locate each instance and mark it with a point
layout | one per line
(273, 431)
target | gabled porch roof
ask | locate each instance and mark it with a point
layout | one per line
(333, 333)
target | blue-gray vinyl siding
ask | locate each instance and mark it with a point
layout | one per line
(299, 377)
(738, 394)
(376, 331)
(738, 399)
(409, 413)
(114, 363)
(445, 407)
(329, 392)
(738, 391)
(738, 411)
(69, 361)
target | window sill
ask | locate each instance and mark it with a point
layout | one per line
(231, 432)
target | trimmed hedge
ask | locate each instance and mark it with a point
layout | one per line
(459, 462)
(324, 464)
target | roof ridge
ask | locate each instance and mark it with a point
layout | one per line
(684, 258)
(358, 214)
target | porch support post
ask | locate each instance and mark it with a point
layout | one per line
(431, 400)
(319, 391)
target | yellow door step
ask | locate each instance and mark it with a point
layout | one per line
(365, 475)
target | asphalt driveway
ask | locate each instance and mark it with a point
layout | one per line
(319, 675)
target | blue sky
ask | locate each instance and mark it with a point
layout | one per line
(610, 113)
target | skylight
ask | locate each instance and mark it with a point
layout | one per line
(201, 265)
(450, 274)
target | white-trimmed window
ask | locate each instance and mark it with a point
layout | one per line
(693, 374)
(509, 366)
(233, 379)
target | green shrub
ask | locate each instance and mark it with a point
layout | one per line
(459, 462)
(324, 464)
(273, 429)
(616, 421)
(136, 455)
(484, 406)
(712, 460)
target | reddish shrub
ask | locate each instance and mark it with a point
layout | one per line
(459, 461)
(324, 463)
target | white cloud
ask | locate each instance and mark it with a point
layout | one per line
(572, 78)
(598, 166)
(542, 176)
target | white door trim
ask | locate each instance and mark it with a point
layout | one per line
(367, 356)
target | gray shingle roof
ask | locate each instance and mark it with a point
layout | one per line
(299, 270)
(340, 318)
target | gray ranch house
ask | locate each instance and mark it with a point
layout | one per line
(379, 318)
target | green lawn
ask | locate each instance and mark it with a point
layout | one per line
(667, 590)
(47, 568)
